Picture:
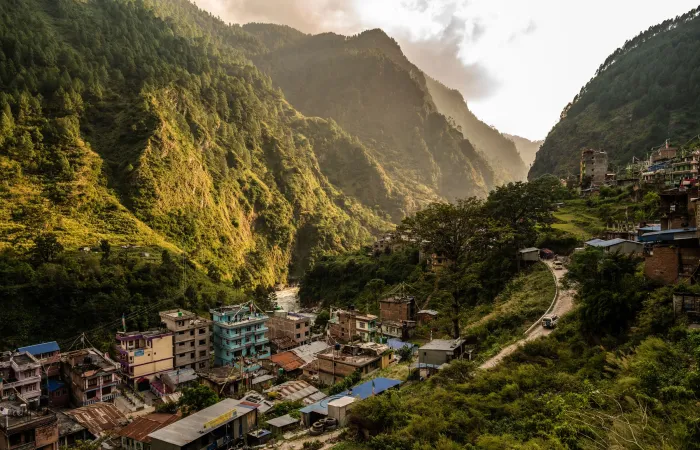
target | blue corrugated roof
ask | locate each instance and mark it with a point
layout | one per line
(54, 385)
(665, 235)
(397, 343)
(361, 391)
(651, 228)
(38, 349)
(602, 243)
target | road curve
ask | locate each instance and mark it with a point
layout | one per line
(563, 304)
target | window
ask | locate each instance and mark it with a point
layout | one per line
(202, 353)
(298, 335)
(306, 324)
(180, 333)
(298, 326)
(306, 334)
(362, 324)
(202, 342)
(181, 344)
(192, 355)
(191, 332)
(202, 365)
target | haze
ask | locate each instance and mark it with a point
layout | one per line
(518, 63)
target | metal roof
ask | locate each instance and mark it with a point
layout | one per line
(342, 401)
(398, 343)
(38, 349)
(361, 391)
(650, 228)
(282, 421)
(529, 250)
(287, 360)
(443, 344)
(610, 243)
(262, 379)
(192, 428)
(308, 352)
(179, 376)
(297, 390)
(98, 417)
(674, 234)
(141, 427)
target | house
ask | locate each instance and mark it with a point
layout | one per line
(529, 255)
(144, 355)
(426, 316)
(397, 315)
(366, 327)
(222, 425)
(99, 418)
(262, 382)
(594, 167)
(287, 362)
(440, 351)
(293, 326)
(308, 353)
(338, 362)
(617, 245)
(312, 413)
(70, 431)
(225, 381)
(346, 326)
(58, 393)
(20, 374)
(338, 409)
(191, 338)
(24, 428)
(91, 376)
(173, 381)
(295, 390)
(49, 356)
(240, 336)
(257, 398)
(135, 436)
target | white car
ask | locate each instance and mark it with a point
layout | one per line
(558, 265)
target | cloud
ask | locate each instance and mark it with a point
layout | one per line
(431, 33)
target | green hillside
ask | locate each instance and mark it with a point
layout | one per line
(148, 130)
(645, 92)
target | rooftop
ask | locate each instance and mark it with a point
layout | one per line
(297, 390)
(282, 421)
(89, 362)
(432, 312)
(258, 399)
(288, 361)
(38, 349)
(361, 391)
(141, 427)
(609, 243)
(181, 314)
(220, 375)
(398, 299)
(674, 234)
(150, 334)
(179, 376)
(308, 352)
(67, 425)
(356, 355)
(342, 401)
(98, 417)
(19, 358)
(529, 250)
(16, 416)
(193, 427)
(443, 344)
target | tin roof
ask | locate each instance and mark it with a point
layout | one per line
(140, 428)
(287, 360)
(432, 312)
(309, 351)
(38, 349)
(98, 417)
(297, 390)
(361, 391)
(443, 344)
(529, 250)
(282, 421)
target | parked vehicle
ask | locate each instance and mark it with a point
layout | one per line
(550, 321)
(558, 265)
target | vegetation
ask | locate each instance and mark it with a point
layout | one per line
(644, 93)
(197, 398)
(594, 383)
(347, 383)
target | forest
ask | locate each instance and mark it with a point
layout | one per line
(644, 93)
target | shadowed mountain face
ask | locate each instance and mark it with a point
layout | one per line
(645, 92)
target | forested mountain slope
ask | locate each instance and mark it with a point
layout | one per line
(501, 152)
(645, 92)
(116, 123)
(526, 148)
(387, 106)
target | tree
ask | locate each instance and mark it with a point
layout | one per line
(322, 320)
(46, 247)
(197, 398)
(106, 249)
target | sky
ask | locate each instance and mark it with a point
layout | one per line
(518, 63)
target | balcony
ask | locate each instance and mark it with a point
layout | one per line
(22, 382)
(25, 446)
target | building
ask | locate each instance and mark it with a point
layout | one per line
(49, 356)
(687, 303)
(366, 327)
(143, 355)
(341, 325)
(338, 409)
(398, 308)
(294, 390)
(337, 363)
(91, 376)
(20, 374)
(99, 418)
(282, 424)
(312, 413)
(191, 339)
(135, 436)
(226, 381)
(440, 351)
(70, 431)
(390, 243)
(295, 327)
(617, 245)
(240, 336)
(23, 428)
(594, 167)
(426, 316)
(529, 255)
(219, 426)
(287, 362)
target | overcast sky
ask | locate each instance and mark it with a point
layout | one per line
(517, 62)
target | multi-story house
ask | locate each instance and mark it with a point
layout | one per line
(49, 356)
(366, 327)
(336, 364)
(594, 167)
(20, 374)
(143, 355)
(240, 336)
(92, 376)
(191, 339)
(23, 428)
(291, 326)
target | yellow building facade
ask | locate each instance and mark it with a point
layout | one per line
(143, 355)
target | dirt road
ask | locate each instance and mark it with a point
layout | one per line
(562, 305)
(299, 443)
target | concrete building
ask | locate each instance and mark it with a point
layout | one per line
(23, 428)
(225, 381)
(617, 245)
(191, 339)
(335, 364)
(440, 351)
(350, 325)
(292, 326)
(397, 315)
(92, 377)
(49, 356)
(594, 167)
(426, 316)
(223, 425)
(143, 355)
(240, 336)
(20, 374)
(366, 327)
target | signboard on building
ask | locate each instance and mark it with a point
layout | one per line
(222, 419)
(138, 353)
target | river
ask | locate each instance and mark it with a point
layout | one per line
(288, 299)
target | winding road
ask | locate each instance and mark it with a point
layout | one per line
(562, 305)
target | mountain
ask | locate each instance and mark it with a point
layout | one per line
(365, 85)
(145, 122)
(499, 150)
(646, 91)
(526, 148)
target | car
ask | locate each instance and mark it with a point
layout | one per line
(558, 265)
(550, 321)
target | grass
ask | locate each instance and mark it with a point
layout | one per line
(574, 219)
